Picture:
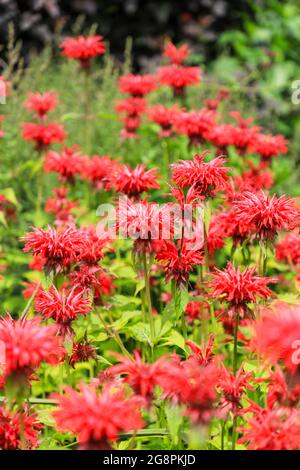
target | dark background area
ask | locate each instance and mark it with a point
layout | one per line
(148, 22)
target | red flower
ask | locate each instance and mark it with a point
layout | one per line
(178, 263)
(67, 163)
(276, 429)
(202, 355)
(63, 306)
(83, 49)
(265, 215)
(133, 182)
(244, 134)
(234, 387)
(197, 310)
(288, 248)
(140, 376)
(277, 335)
(11, 425)
(205, 177)
(27, 344)
(91, 249)
(59, 248)
(97, 419)
(41, 103)
(98, 170)
(88, 278)
(43, 135)
(164, 117)
(254, 179)
(176, 55)
(137, 85)
(133, 106)
(61, 207)
(279, 392)
(82, 351)
(179, 77)
(239, 288)
(268, 146)
(195, 124)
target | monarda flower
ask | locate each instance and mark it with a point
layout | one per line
(207, 178)
(132, 106)
(62, 306)
(178, 77)
(11, 424)
(197, 310)
(92, 247)
(59, 248)
(96, 418)
(41, 103)
(277, 335)
(271, 429)
(164, 117)
(43, 135)
(244, 133)
(196, 125)
(176, 55)
(142, 377)
(134, 181)
(234, 387)
(67, 163)
(279, 392)
(265, 215)
(27, 344)
(83, 49)
(288, 248)
(98, 170)
(61, 207)
(82, 351)
(268, 146)
(137, 85)
(92, 279)
(254, 179)
(178, 262)
(239, 288)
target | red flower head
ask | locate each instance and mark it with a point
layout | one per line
(63, 307)
(268, 146)
(164, 117)
(277, 335)
(272, 429)
(11, 424)
(83, 49)
(179, 77)
(98, 170)
(92, 278)
(221, 135)
(61, 207)
(41, 103)
(59, 248)
(288, 248)
(281, 393)
(92, 247)
(131, 125)
(27, 344)
(244, 134)
(239, 288)
(176, 55)
(197, 310)
(234, 387)
(195, 124)
(140, 376)
(82, 351)
(97, 419)
(178, 263)
(43, 135)
(137, 85)
(132, 107)
(254, 179)
(133, 182)
(67, 163)
(205, 177)
(202, 355)
(265, 215)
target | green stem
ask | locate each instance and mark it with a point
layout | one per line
(234, 369)
(87, 108)
(148, 296)
(114, 334)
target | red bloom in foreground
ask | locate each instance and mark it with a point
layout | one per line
(11, 425)
(275, 429)
(43, 135)
(277, 335)
(58, 248)
(205, 177)
(164, 117)
(133, 182)
(279, 392)
(239, 288)
(288, 248)
(67, 163)
(27, 344)
(179, 77)
(178, 263)
(41, 103)
(176, 55)
(63, 307)
(137, 85)
(82, 351)
(265, 215)
(97, 419)
(83, 49)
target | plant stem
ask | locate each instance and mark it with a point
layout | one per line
(114, 334)
(87, 107)
(148, 296)
(234, 369)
